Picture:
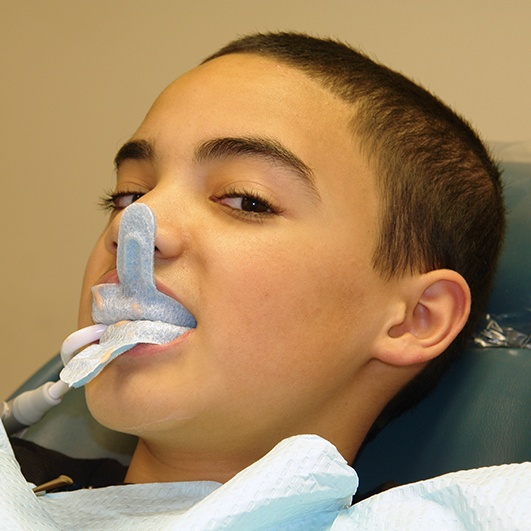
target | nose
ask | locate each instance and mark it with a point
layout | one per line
(168, 241)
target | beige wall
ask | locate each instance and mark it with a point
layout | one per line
(77, 77)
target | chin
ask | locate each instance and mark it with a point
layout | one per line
(128, 409)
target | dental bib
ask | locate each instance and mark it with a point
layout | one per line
(302, 484)
(134, 309)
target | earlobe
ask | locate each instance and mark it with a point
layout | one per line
(434, 309)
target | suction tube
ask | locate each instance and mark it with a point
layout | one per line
(29, 407)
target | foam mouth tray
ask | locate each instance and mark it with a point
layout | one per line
(134, 309)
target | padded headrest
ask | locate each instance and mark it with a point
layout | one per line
(512, 287)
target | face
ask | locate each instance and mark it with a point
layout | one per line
(266, 224)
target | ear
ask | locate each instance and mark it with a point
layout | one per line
(431, 310)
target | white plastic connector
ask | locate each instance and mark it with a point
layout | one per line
(57, 390)
(29, 407)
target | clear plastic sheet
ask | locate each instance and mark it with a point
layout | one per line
(511, 330)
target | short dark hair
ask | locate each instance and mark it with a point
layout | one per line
(440, 191)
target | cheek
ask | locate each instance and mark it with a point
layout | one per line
(308, 308)
(279, 330)
(98, 264)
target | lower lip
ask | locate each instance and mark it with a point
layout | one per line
(149, 350)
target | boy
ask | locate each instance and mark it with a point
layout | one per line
(323, 224)
(332, 228)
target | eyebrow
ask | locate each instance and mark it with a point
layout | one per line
(134, 150)
(227, 147)
(269, 149)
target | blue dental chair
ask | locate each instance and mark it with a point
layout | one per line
(479, 415)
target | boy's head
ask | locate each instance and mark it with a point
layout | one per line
(318, 215)
(440, 192)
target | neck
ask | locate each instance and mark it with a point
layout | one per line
(171, 457)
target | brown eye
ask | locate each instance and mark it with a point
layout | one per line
(247, 204)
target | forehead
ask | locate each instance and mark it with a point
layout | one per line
(248, 95)
(255, 82)
(245, 95)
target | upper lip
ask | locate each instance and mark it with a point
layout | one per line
(111, 277)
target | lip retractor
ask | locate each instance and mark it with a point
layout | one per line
(134, 310)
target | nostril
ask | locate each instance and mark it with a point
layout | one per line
(111, 246)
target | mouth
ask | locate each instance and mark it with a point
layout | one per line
(151, 318)
(124, 335)
(117, 339)
(135, 310)
(151, 348)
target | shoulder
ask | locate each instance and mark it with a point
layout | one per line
(39, 465)
(485, 498)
